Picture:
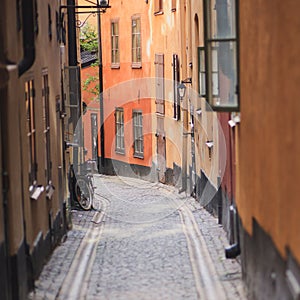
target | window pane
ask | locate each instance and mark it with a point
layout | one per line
(215, 84)
(115, 42)
(138, 133)
(202, 84)
(134, 43)
(134, 25)
(138, 54)
(201, 70)
(138, 25)
(112, 29)
(224, 82)
(214, 53)
(138, 40)
(117, 59)
(222, 16)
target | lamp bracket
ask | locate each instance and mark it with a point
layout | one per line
(187, 80)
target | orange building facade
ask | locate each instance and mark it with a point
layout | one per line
(127, 92)
(268, 148)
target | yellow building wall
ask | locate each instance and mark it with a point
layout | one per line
(166, 39)
(206, 123)
(268, 137)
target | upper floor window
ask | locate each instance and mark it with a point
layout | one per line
(119, 125)
(138, 134)
(31, 130)
(221, 64)
(49, 23)
(201, 72)
(173, 5)
(46, 121)
(160, 83)
(176, 78)
(158, 7)
(136, 42)
(115, 52)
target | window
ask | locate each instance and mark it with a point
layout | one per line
(138, 134)
(159, 84)
(115, 52)
(176, 78)
(136, 43)
(31, 132)
(173, 5)
(221, 65)
(46, 121)
(158, 7)
(119, 123)
(49, 23)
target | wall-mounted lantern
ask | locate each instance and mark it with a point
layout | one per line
(182, 88)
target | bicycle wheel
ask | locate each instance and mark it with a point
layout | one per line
(83, 194)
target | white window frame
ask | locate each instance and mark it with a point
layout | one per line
(138, 144)
(119, 123)
(221, 55)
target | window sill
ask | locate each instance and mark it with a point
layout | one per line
(136, 65)
(158, 13)
(115, 66)
(140, 156)
(120, 152)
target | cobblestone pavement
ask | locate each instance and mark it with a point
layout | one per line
(140, 244)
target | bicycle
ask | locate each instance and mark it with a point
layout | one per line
(84, 187)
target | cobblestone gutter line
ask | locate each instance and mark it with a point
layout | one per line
(76, 281)
(229, 270)
(206, 278)
(214, 238)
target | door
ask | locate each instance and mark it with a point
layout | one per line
(160, 113)
(161, 149)
(94, 136)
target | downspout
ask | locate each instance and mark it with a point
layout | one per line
(184, 102)
(234, 249)
(101, 164)
(74, 79)
(28, 37)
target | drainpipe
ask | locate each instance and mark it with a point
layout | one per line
(234, 250)
(101, 163)
(28, 37)
(184, 102)
(73, 80)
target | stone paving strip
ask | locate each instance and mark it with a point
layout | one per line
(145, 242)
(207, 280)
(76, 281)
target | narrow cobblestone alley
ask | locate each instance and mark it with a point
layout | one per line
(144, 241)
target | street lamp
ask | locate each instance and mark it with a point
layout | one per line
(103, 4)
(181, 90)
